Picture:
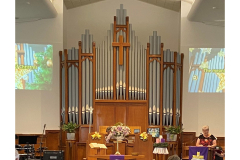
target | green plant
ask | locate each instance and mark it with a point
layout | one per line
(173, 129)
(160, 145)
(70, 127)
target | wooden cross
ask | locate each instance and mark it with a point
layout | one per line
(120, 44)
(21, 52)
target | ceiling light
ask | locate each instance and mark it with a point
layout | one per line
(214, 7)
(28, 2)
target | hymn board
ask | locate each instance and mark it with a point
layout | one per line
(120, 81)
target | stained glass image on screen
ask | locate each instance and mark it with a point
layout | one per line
(206, 70)
(33, 66)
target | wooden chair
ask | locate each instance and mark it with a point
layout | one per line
(185, 152)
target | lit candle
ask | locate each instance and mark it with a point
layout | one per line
(157, 140)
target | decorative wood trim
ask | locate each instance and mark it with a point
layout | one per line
(161, 88)
(181, 90)
(66, 85)
(80, 84)
(60, 86)
(174, 88)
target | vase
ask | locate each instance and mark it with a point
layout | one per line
(171, 137)
(70, 136)
(118, 138)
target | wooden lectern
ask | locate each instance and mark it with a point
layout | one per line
(95, 151)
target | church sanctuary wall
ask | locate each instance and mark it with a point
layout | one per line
(34, 108)
(201, 108)
(144, 17)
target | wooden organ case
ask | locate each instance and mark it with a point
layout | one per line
(119, 81)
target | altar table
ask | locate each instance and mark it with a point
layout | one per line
(161, 153)
(98, 157)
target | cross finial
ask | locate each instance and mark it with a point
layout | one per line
(120, 44)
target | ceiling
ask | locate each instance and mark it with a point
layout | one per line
(210, 12)
(173, 5)
(32, 10)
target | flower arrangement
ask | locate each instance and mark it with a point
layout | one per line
(96, 135)
(118, 131)
(144, 136)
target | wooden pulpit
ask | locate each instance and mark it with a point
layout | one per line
(95, 151)
(144, 147)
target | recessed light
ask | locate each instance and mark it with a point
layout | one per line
(28, 2)
(214, 7)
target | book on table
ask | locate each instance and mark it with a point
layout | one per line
(97, 145)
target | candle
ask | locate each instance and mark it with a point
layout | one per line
(157, 140)
(162, 140)
(198, 153)
(160, 137)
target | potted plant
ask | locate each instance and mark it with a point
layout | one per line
(70, 129)
(172, 132)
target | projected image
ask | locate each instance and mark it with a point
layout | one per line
(206, 70)
(33, 66)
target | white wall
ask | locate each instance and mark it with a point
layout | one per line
(33, 109)
(201, 108)
(145, 18)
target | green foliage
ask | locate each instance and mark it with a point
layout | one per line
(43, 77)
(70, 127)
(173, 129)
(160, 145)
(119, 124)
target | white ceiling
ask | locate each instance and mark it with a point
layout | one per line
(31, 10)
(174, 5)
(211, 12)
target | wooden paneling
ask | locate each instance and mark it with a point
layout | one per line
(131, 114)
(129, 149)
(137, 116)
(120, 113)
(52, 139)
(83, 132)
(81, 150)
(221, 141)
(110, 148)
(104, 115)
(189, 138)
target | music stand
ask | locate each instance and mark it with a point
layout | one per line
(27, 140)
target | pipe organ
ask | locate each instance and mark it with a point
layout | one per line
(121, 80)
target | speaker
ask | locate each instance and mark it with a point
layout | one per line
(53, 155)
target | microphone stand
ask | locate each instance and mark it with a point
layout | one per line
(41, 142)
